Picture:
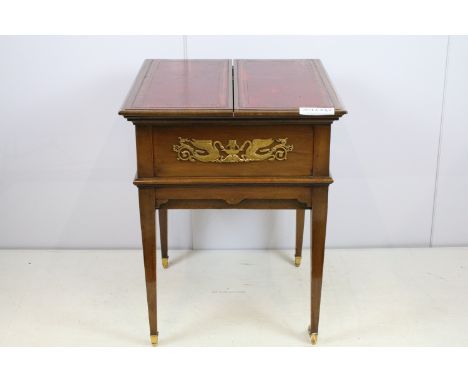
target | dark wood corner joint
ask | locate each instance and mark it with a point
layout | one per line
(233, 134)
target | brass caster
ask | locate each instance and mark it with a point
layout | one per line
(297, 260)
(154, 340)
(165, 262)
(313, 338)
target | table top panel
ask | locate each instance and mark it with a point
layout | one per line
(281, 87)
(182, 87)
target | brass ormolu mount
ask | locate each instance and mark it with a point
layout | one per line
(207, 150)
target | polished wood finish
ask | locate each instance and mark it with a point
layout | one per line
(299, 160)
(321, 161)
(233, 194)
(225, 180)
(318, 232)
(163, 232)
(300, 218)
(174, 101)
(218, 204)
(148, 234)
(144, 143)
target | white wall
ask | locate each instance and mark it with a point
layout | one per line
(451, 208)
(67, 159)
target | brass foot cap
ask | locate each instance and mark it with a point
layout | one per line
(165, 262)
(313, 338)
(154, 340)
(297, 260)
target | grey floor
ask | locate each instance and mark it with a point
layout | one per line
(371, 297)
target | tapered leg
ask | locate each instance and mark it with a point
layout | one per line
(299, 236)
(163, 235)
(318, 227)
(148, 234)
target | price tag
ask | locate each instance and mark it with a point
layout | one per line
(316, 110)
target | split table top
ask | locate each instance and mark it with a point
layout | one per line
(233, 134)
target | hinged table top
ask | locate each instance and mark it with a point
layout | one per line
(230, 89)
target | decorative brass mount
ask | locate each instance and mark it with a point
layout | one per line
(202, 150)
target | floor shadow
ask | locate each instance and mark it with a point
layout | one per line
(286, 256)
(179, 257)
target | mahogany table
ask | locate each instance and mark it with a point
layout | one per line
(232, 134)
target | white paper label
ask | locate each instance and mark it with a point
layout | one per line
(316, 110)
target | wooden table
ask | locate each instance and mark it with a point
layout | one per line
(232, 134)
